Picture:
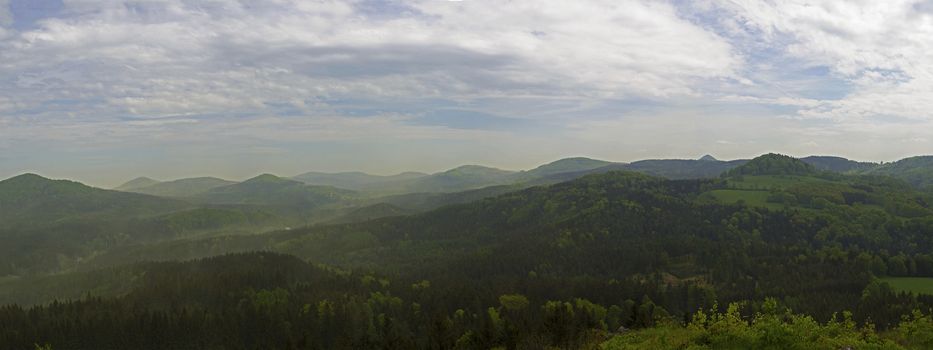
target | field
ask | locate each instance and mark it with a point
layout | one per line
(751, 198)
(918, 285)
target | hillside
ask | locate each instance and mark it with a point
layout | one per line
(918, 171)
(837, 164)
(370, 212)
(30, 199)
(420, 202)
(48, 225)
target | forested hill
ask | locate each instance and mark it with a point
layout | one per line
(774, 164)
(31, 200)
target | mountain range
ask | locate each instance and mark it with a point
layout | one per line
(70, 220)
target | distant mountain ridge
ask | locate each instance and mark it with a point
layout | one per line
(353, 180)
(914, 170)
(271, 190)
(182, 187)
(462, 178)
(565, 165)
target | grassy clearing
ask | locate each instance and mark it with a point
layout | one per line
(918, 285)
(751, 198)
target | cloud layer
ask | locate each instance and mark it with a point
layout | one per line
(444, 82)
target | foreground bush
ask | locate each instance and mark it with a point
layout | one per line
(775, 328)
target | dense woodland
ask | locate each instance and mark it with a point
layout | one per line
(776, 253)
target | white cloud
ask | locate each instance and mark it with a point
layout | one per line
(174, 57)
(882, 48)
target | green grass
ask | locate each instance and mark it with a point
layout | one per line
(917, 285)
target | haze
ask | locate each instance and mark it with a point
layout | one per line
(105, 91)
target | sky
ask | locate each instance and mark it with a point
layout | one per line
(104, 91)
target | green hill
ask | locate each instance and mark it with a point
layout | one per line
(182, 187)
(774, 164)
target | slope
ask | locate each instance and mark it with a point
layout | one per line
(918, 171)
(33, 200)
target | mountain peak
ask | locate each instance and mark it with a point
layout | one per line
(266, 178)
(27, 178)
(708, 158)
(476, 169)
(138, 182)
(32, 183)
